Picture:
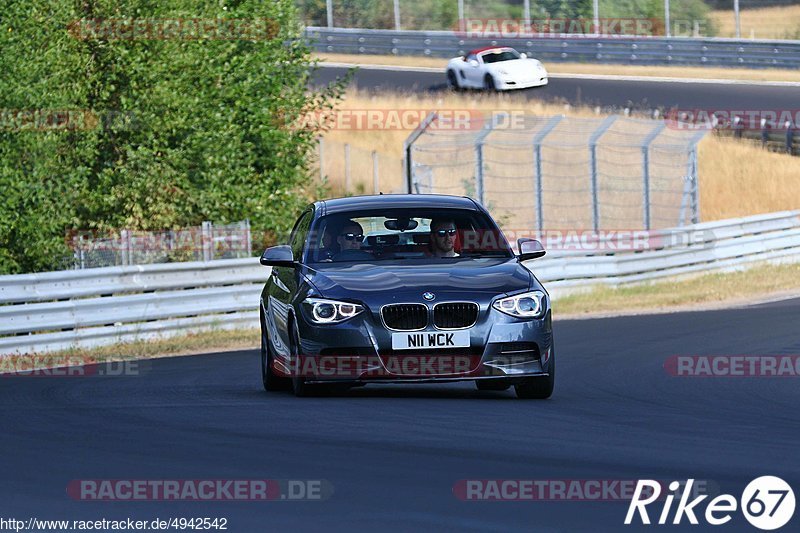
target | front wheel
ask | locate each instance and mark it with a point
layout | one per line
(269, 379)
(300, 386)
(488, 83)
(452, 80)
(539, 388)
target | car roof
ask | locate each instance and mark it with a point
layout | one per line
(389, 201)
(487, 48)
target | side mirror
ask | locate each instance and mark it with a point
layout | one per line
(473, 63)
(278, 256)
(530, 249)
(523, 55)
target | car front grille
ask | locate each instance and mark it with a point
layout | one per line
(455, 315)
(406, 317)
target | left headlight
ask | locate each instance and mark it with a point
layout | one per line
(324, 311)
(526, 305)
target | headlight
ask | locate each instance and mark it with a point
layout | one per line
(525, 305)
(324, 311)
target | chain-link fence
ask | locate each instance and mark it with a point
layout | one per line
(349, 169)
(129, 247)
(563, 172)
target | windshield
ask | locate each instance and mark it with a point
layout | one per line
(496, 57)
(426, 235)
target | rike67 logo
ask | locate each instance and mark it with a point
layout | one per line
(767, 503)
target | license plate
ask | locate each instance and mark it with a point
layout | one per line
(430, 339)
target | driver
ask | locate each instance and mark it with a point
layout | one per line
(350, 236)
(443, 237)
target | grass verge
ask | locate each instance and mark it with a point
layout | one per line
(188, 344)
(587, 68)
(707, 290)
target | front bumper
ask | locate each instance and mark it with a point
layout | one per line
(360, 351)
(505, 84)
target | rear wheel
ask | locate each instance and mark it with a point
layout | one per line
(539, 388)
(270, 381)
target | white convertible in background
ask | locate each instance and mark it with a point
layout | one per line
(495, 69)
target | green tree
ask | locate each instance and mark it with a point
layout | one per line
(176, 130)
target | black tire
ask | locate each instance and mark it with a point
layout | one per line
(492, 384)
(452, 80)
(270, 381)
(300, 386)
(539, 388)
(488, 83)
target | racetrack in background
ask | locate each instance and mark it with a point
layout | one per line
(588, 91)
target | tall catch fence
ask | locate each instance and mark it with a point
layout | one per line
(556, 172)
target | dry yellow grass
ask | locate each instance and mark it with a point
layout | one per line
(777, 22)
(588, 68)
(737, 178)
(731, 288)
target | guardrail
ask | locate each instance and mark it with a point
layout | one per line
(58, 310)
(565, 48)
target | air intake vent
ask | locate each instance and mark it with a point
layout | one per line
(455, 315)
(406, 317)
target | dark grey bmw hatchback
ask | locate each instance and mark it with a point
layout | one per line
(405, 288)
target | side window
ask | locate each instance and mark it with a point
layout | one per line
(299, 234)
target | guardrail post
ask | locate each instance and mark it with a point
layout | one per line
(646, 171)
(607, 122)
(408, 160)
(537, 149)
(329, 9)
(487, 129)
(207, 240)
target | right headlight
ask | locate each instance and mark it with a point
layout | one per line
(323, 311)
(525, 305)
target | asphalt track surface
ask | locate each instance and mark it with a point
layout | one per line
(394, 453)
(594, 92)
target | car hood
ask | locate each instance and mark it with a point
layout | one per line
(515, 67)
(392, 282)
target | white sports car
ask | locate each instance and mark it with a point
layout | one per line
(495, 69)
